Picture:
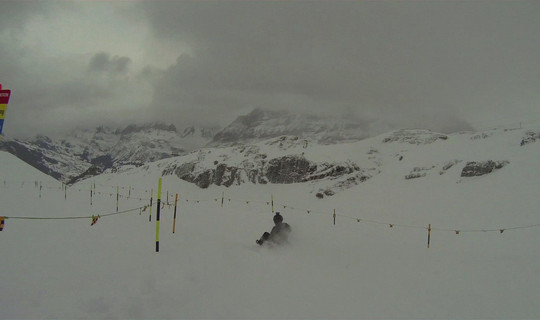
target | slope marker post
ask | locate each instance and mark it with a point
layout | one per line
(174, 219)
(157, 214)
(428, 235)
(151, 199)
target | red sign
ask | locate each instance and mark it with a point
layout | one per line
(4, 99)
(4, 96)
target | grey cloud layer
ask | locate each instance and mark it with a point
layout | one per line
(431, 64)
(380, 57)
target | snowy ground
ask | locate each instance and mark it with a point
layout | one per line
(212, 268)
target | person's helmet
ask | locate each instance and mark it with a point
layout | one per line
(278, 218)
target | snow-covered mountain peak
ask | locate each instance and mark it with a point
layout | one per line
(263, 124)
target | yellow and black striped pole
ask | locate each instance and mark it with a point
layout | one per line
(157, 214)
(174, 220)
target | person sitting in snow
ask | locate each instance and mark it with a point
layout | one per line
(279, 232)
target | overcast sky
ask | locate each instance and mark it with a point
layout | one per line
(433, 64)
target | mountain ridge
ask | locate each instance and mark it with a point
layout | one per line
(84, 152)
(261, 124)
(331, 169)
(87, 152)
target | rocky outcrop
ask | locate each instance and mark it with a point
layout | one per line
(343, 184)
(289, 169)
(448, 165)
(282, 170)
(221, 175)
(418, 172)
(530, 137)
(480, 168)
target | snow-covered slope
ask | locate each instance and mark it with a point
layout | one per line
(372, 263)
(329, 169)
(59, 161)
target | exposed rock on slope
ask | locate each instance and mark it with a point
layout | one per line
(530, 137)
(480, 168)
(281, 170)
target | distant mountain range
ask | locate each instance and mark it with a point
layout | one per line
(84, 153)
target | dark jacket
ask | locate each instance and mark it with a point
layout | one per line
(280, 232)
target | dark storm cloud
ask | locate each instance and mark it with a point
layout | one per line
(103, 62)
(409, 62)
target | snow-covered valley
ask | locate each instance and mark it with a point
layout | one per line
(373, 262)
